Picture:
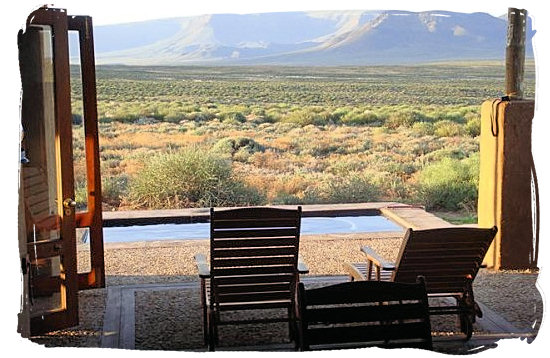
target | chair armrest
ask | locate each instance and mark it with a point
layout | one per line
(202, 266)
(355, 272)
(377, 260)
(302, 267)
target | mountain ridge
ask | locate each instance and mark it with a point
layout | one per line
(352, 37)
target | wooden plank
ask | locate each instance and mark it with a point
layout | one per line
(347, 314)
(111, 321)
(45, 286)
(365, 333)
(254, 288)
(429, 263)
(254, 223)
(254, 233)
(29, 172)
(256, 213)
(254, 242)
(230, 306)
(452, 251)
(254, 261)
(219, 272)
(252, 279)
(41, 209)
(248, 297)
(37, 190)
(45, 249)
(255, 252)
(37, 180)
(363, 291)
(36, 198)
(127, 320)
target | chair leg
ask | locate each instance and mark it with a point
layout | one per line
(211, 332)
(466, 325)
(216, 338)
(204, 313)
(466, 317)
(291, 324)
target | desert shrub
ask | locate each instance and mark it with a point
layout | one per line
(191, 177)
(353, 188)
(284, 198)
(114, 189)
(232, 117)
(453, 116)
(450, 184)
(473, 126)
(230, 147)
(423, 128)
(447, 128)
(307, 116)
(199, 116)
(404, 118)
(80, 194)
(124, 115)
(339, 113)
(360, 118)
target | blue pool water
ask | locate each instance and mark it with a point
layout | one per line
(313, 225)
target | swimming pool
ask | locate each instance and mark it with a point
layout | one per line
(310, 225)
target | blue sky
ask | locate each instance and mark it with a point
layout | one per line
(109, 11)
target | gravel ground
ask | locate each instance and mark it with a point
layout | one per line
(171, 319)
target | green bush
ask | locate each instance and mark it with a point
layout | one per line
(81, 194)
(449, 184)
(191, 177)
(447, 128)
(307, 116)
(114, 189)
(360, 118)
(473, 126)
(232, 117)
(423, 128)
(404, 118)
(229, 147)
(284, 198)
(353, 188)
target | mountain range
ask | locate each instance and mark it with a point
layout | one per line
(354, 37)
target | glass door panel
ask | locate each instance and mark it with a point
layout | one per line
(43, 220)
(47, 224)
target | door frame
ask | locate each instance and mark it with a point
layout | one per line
(67, 314)
(92, 218)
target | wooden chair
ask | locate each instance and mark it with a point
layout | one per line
(363, 314)
(449, 259)
(254, 265)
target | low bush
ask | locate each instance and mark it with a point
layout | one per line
(191, 177)
(360, 118)
(449, 184)
(404, 118)
(473, 126)
(421, 129)
(307, 116)
(114, 189)
(447, 128)
(353, 188)
(230, 147)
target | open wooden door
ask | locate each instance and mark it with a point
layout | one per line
(47, 218)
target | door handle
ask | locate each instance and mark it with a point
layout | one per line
(69, 204)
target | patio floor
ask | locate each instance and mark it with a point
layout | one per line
(127, 326)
